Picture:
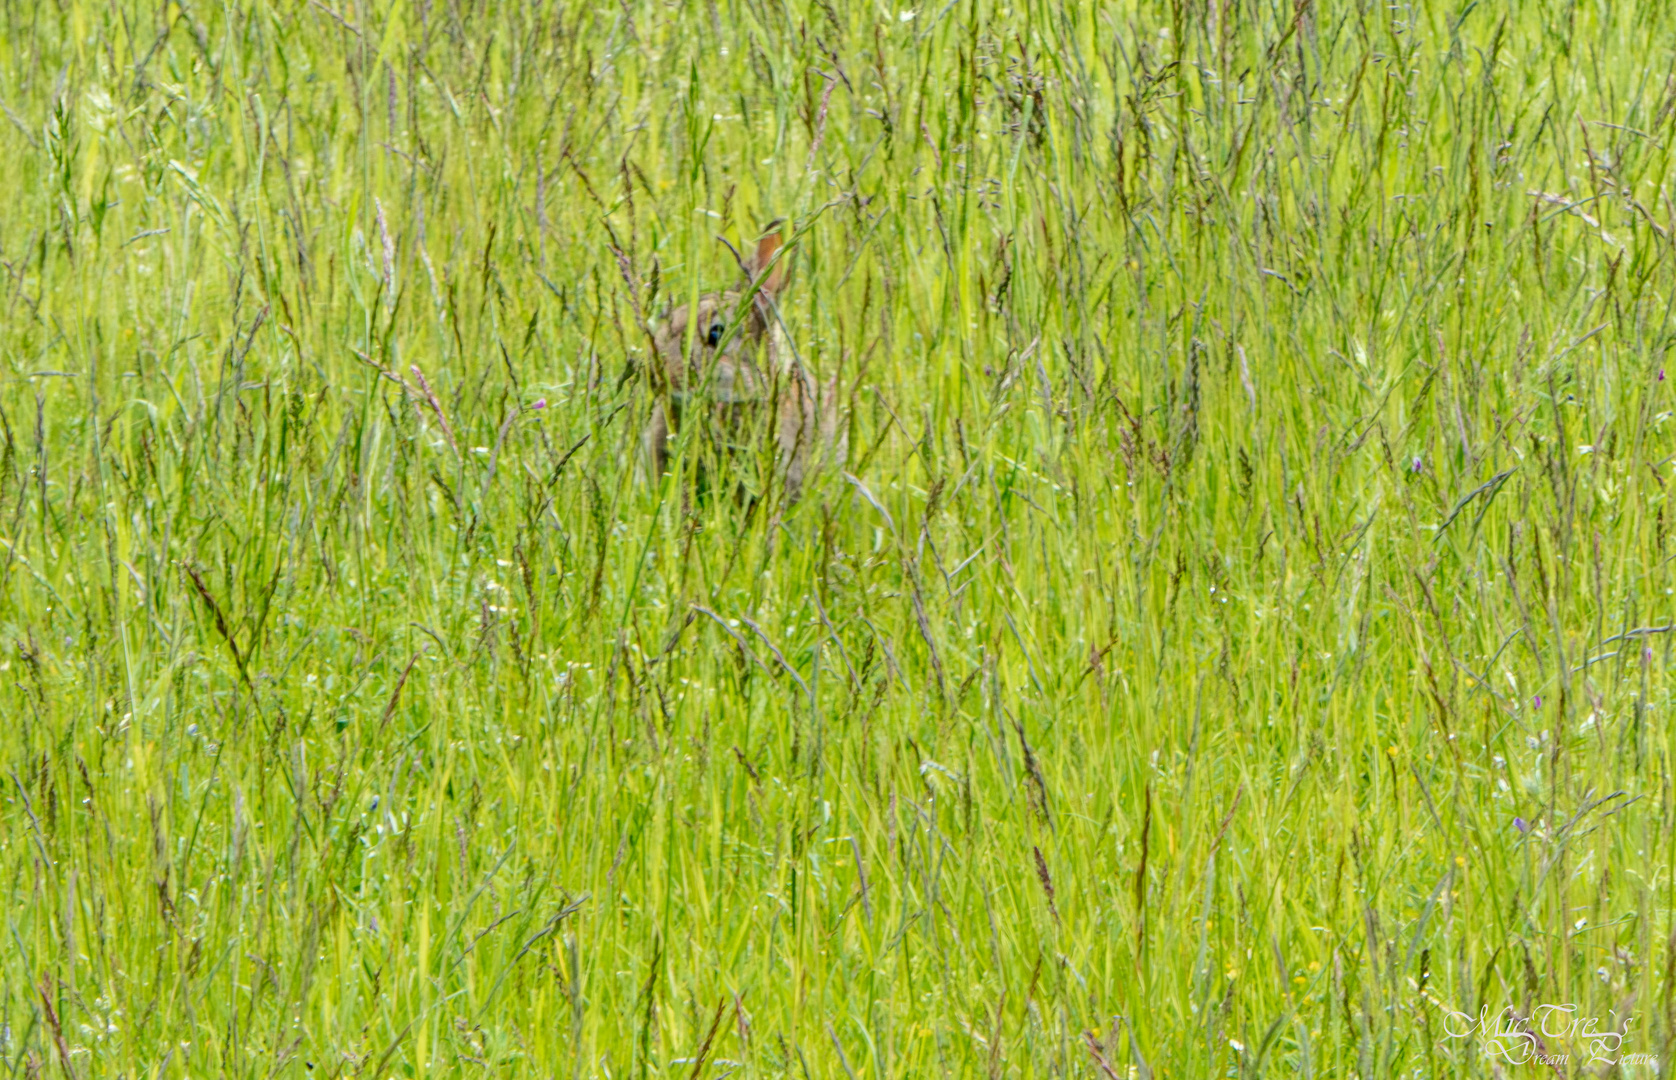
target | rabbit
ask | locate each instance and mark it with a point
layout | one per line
(746, 375)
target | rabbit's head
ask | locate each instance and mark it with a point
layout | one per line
(724, 336)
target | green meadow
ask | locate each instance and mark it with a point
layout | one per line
(1235, 644)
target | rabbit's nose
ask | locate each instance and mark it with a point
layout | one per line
(727, 388)
(735, 384)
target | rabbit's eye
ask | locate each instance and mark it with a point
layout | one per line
(715, 336)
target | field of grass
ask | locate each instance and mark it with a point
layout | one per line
(1239, 641)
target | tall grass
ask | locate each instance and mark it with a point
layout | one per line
(1258, 455)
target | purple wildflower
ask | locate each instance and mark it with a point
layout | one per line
(1520, 824)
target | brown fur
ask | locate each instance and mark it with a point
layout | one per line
(746, 376)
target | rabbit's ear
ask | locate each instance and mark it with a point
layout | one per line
(766, 247)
